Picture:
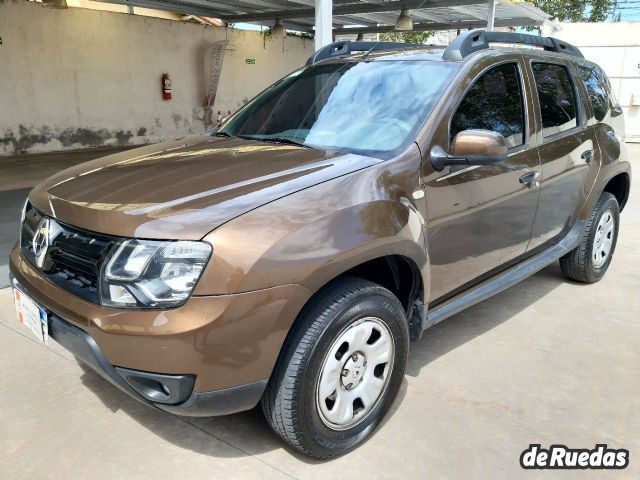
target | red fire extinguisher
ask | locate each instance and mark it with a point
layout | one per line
(166, 86)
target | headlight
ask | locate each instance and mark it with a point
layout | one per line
(22, 217)
(24, 210)
(141, 273)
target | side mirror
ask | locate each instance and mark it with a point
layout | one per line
(471, 147)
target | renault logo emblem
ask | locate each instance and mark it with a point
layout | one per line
(46, 232)
(40, 242)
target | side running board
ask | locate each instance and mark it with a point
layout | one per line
(506, 279)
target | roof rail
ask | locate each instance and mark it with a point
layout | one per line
(468, 42)
(347, 47)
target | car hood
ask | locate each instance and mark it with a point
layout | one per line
(185, 188)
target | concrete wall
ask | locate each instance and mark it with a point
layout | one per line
(616, 48)
(75, 78)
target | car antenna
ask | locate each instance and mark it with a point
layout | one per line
(366, 55)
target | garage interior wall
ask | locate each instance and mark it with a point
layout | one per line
(78, 78)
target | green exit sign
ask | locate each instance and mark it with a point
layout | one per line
(250, 61)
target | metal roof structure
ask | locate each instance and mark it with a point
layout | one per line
(357, 16)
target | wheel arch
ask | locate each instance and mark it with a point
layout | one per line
(401, 274)
(617, 182)
(397, 273)
(619, 186)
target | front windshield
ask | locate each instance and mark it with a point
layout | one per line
(361, 107)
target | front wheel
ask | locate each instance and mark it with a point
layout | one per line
(589, 261)
(340, 369)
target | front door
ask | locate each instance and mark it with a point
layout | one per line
(479, 218)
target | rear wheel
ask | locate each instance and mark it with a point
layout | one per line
(340, 369)
(589, 261)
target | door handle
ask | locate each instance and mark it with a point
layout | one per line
(587, 156)
(531, 179)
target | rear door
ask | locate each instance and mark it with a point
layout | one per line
(479, 218)
(568, 148)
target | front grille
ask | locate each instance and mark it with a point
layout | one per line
(73, 259)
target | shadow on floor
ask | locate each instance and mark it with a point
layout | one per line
(248, 432)
(482, 317)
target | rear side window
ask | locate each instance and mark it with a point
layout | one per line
(494, 102)
(597, 88)
(557, 98)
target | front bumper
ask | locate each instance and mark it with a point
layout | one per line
(172, 393)
(215, 353)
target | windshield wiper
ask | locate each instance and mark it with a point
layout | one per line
(281, 140)
(286, 141)
(222, 134)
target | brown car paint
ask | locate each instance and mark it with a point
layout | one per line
(468, 231)
(225, 340)
(321, 232)
(564, 173)
(184, 189)
(284, 221)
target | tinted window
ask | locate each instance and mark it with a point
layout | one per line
(557, 98)
(494, 102)
(597, 88)
(374, 108)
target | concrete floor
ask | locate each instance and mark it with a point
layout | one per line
(547, 361)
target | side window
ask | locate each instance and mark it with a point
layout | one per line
(597, 88)
(494, 102)
(557, 98)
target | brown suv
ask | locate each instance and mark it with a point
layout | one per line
(289, 256)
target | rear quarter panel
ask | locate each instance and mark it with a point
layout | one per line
(614, 158)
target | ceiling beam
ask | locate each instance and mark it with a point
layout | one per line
(175, 7)
(469, 13)
(367, 14)
(351, 9)
(417, 14)
(236, 5)
(192, 9)
(425, 27)
(307, 25)
(353, 20)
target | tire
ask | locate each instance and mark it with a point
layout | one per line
(587, 263)
(344, 309)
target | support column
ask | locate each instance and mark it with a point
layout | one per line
(491, 17)
(324, 23)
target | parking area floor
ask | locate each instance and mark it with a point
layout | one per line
(547, 361)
